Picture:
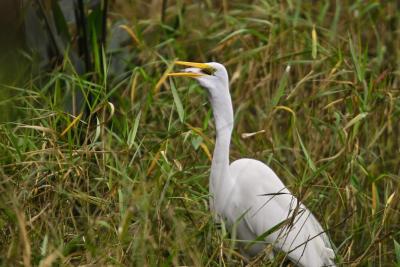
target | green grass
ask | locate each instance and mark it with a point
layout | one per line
(128, 184)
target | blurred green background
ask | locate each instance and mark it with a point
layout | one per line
(105, 162)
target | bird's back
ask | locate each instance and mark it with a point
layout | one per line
(262, 202)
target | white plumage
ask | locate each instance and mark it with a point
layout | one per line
(248, 195)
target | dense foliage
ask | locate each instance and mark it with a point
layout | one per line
(119, 175)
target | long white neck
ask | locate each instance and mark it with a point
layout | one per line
(220, 180)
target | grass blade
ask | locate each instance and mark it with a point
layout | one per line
(281, 88)
(314, 43)
(177, 101)
(397, 252)
(356, 61)
(132, 134)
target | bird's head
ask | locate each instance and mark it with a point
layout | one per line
(212, 76)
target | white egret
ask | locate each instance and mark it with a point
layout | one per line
(247, 194)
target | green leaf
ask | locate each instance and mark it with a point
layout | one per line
(397, 252)
(44, 246)
(281, 89)
(60, 21)
(356, 61)
(177, 102)
(309, 160)
(244, 32)
(273, 229)
(132, 134)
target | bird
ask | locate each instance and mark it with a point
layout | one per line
(247, 194)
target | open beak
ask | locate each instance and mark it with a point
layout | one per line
(201, 66)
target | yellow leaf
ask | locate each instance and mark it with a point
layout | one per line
(199, 132)
(374, 192)
(153, 163)
(72, 124)
(314, 42)
(287, 109)
(162, 79)
(131, 33)
(390, 199)
(206, 151)
(356, 119)
(133, 87)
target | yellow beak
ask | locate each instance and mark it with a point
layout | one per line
(190, 64)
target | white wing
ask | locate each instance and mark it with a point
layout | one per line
(262, 202)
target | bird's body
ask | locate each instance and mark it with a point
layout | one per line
(248, 195)
(268, 205)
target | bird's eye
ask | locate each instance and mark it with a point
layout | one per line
(209, 71)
